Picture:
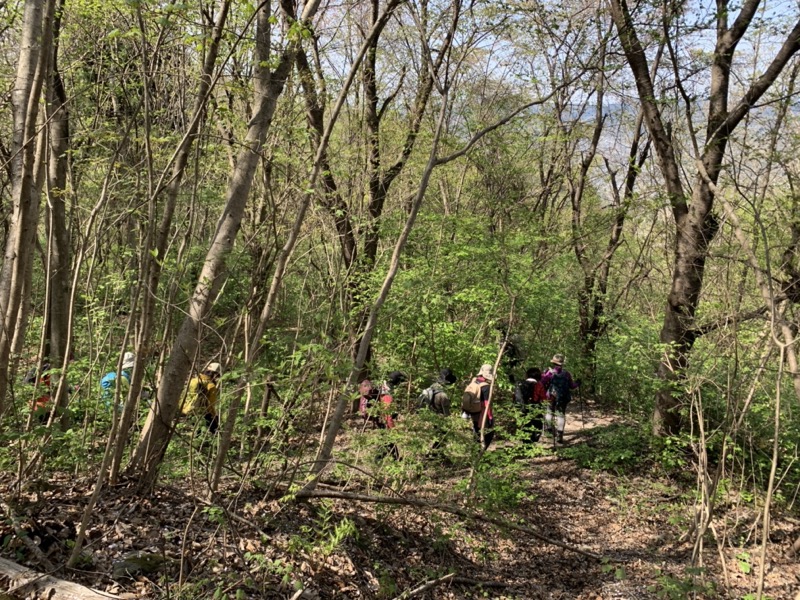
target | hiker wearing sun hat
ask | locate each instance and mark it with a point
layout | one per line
(559, 385)
(475, 402)
(109, 382)
(203, 396)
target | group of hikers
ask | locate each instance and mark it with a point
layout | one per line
(541, 397)
(202, 395)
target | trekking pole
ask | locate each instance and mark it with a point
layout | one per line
(583, 415)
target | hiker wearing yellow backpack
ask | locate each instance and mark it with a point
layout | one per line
(475, 402)
(203, 396)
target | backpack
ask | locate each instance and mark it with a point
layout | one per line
(109, 381)
(523, 392)
(30, 376)
(559, 388)
(471, 399)
(426, 398)
(435, 399)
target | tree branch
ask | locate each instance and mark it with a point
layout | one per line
(644, 84)
(428, 585)
(728, 319)
(486, 130)
(790, 46)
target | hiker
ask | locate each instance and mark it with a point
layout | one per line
(435, 399)
(559, 385)
(39, 406)
(108, 384)
(475, 402)
(393, 380)
(374, 405)
(530, 395)
(203, 395)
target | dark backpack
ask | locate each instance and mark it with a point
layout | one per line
(523, 392)
(30, 376)
(560, 388)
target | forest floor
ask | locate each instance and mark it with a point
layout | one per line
(261, 546)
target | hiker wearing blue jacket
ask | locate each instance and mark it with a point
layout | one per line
(108, 384)
(559, 385)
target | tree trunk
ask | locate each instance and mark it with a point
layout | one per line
(46, 586)
(319, 159)
(268, 87)
(152, 268)
(31, 69)
(695, 223)
(56, 218)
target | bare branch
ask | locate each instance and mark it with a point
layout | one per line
(496, 125)
(790, 47)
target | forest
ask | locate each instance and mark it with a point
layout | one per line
(394, 299)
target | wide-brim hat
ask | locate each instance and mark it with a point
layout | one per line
(128, 360)
(214, 367)
(558, 359)
(486, 372)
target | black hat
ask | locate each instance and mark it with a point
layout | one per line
(396, 378)
(446, 376)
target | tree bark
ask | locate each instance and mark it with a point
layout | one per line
(56, 219)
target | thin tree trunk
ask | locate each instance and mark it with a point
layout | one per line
(58, 234)
(326, 448)
(254, 345)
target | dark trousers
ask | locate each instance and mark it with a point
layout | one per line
(532, 422)
(488, 432)
(212, 422)
(391, 450)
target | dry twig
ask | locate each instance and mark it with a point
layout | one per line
(426, 586)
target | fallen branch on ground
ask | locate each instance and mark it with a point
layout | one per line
(450, 578)
(46, 586)
(425, 586)
(478, 582)
(448, 508)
